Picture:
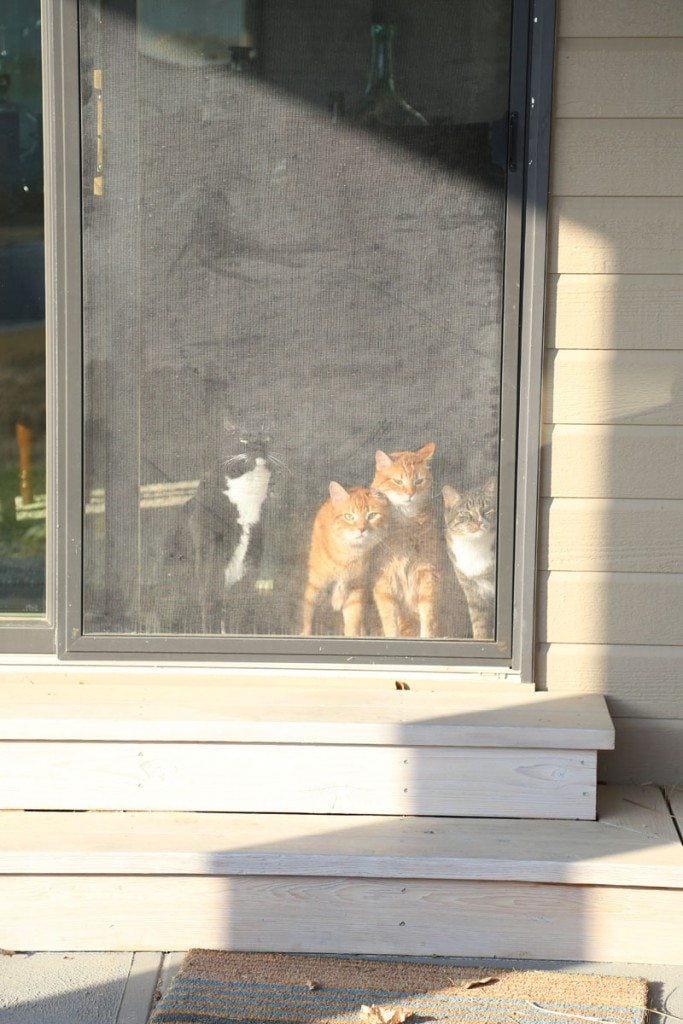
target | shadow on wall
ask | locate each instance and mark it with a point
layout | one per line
(611, 543)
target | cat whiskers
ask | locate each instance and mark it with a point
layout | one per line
(278, 463)
(234, 458)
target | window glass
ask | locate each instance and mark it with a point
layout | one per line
(22, 312)
(294, 220)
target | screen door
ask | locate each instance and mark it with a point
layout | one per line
(300, 269)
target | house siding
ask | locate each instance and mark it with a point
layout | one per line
(610, 586)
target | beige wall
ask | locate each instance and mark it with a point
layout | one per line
(611, 548)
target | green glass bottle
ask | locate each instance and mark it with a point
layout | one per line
(381, 103)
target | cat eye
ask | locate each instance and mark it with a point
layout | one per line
(349, 517)
(398, 481)
(419, 480)
(372, 515)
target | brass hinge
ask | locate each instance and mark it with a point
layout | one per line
(98, 180)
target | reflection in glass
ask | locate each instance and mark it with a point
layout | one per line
(22, 304)
(382, 103)
(293, 320)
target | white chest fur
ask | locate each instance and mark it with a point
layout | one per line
(247, 493)
(474, 554)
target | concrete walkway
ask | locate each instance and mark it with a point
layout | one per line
(120, 988)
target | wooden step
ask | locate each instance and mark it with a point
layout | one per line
(605, 890)
(489, 752)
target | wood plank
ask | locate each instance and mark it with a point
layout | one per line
(614, 387)
(139, 710)
(638, 681)
(611, 535)
(576, 852)
(409, 917)
(615, 311)
(610, 608)
(615, 235)
(619, 78)
(300, 681)
(616, 157)
(647, 750)
(620, 18)
(587, 461)
(479, 782)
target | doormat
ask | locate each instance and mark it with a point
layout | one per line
(216, 988)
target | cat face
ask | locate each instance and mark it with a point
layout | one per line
(405, 477)
(473, 513)
(249, 449)
(359, 515)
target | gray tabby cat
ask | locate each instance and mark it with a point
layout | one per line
(471, 541)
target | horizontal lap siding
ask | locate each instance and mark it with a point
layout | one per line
(641, 680)
(605, 535)
(610, 585)
(614, 311)
(628, 158)
(615, 387)
(611, 18)
(616, 235)
(619, 77)
(598, 461)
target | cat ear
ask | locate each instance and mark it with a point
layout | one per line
(337, 492)
(382, 460)
(450, 496)
(427, 451)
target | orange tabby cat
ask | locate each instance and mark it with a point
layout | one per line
(405, 588)
(346, 532)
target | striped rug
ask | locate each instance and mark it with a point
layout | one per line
(254, 988)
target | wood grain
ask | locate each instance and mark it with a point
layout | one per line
(138, 843)
(608, 535)
(646, 750)
(619, 18)
(338, 915)
(585, 461)
(616, 157)
(638, 681)
(610, 608)
(482, 782)
(139, 710)
(614, 387)
(609, 78)
(615, 235)
(614, 311)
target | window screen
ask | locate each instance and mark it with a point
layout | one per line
(294, 275)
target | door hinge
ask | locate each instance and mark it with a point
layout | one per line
(98, 180)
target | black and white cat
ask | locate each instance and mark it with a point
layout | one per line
(214, 552)
(226, 526)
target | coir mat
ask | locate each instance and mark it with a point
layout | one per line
(215, 987)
